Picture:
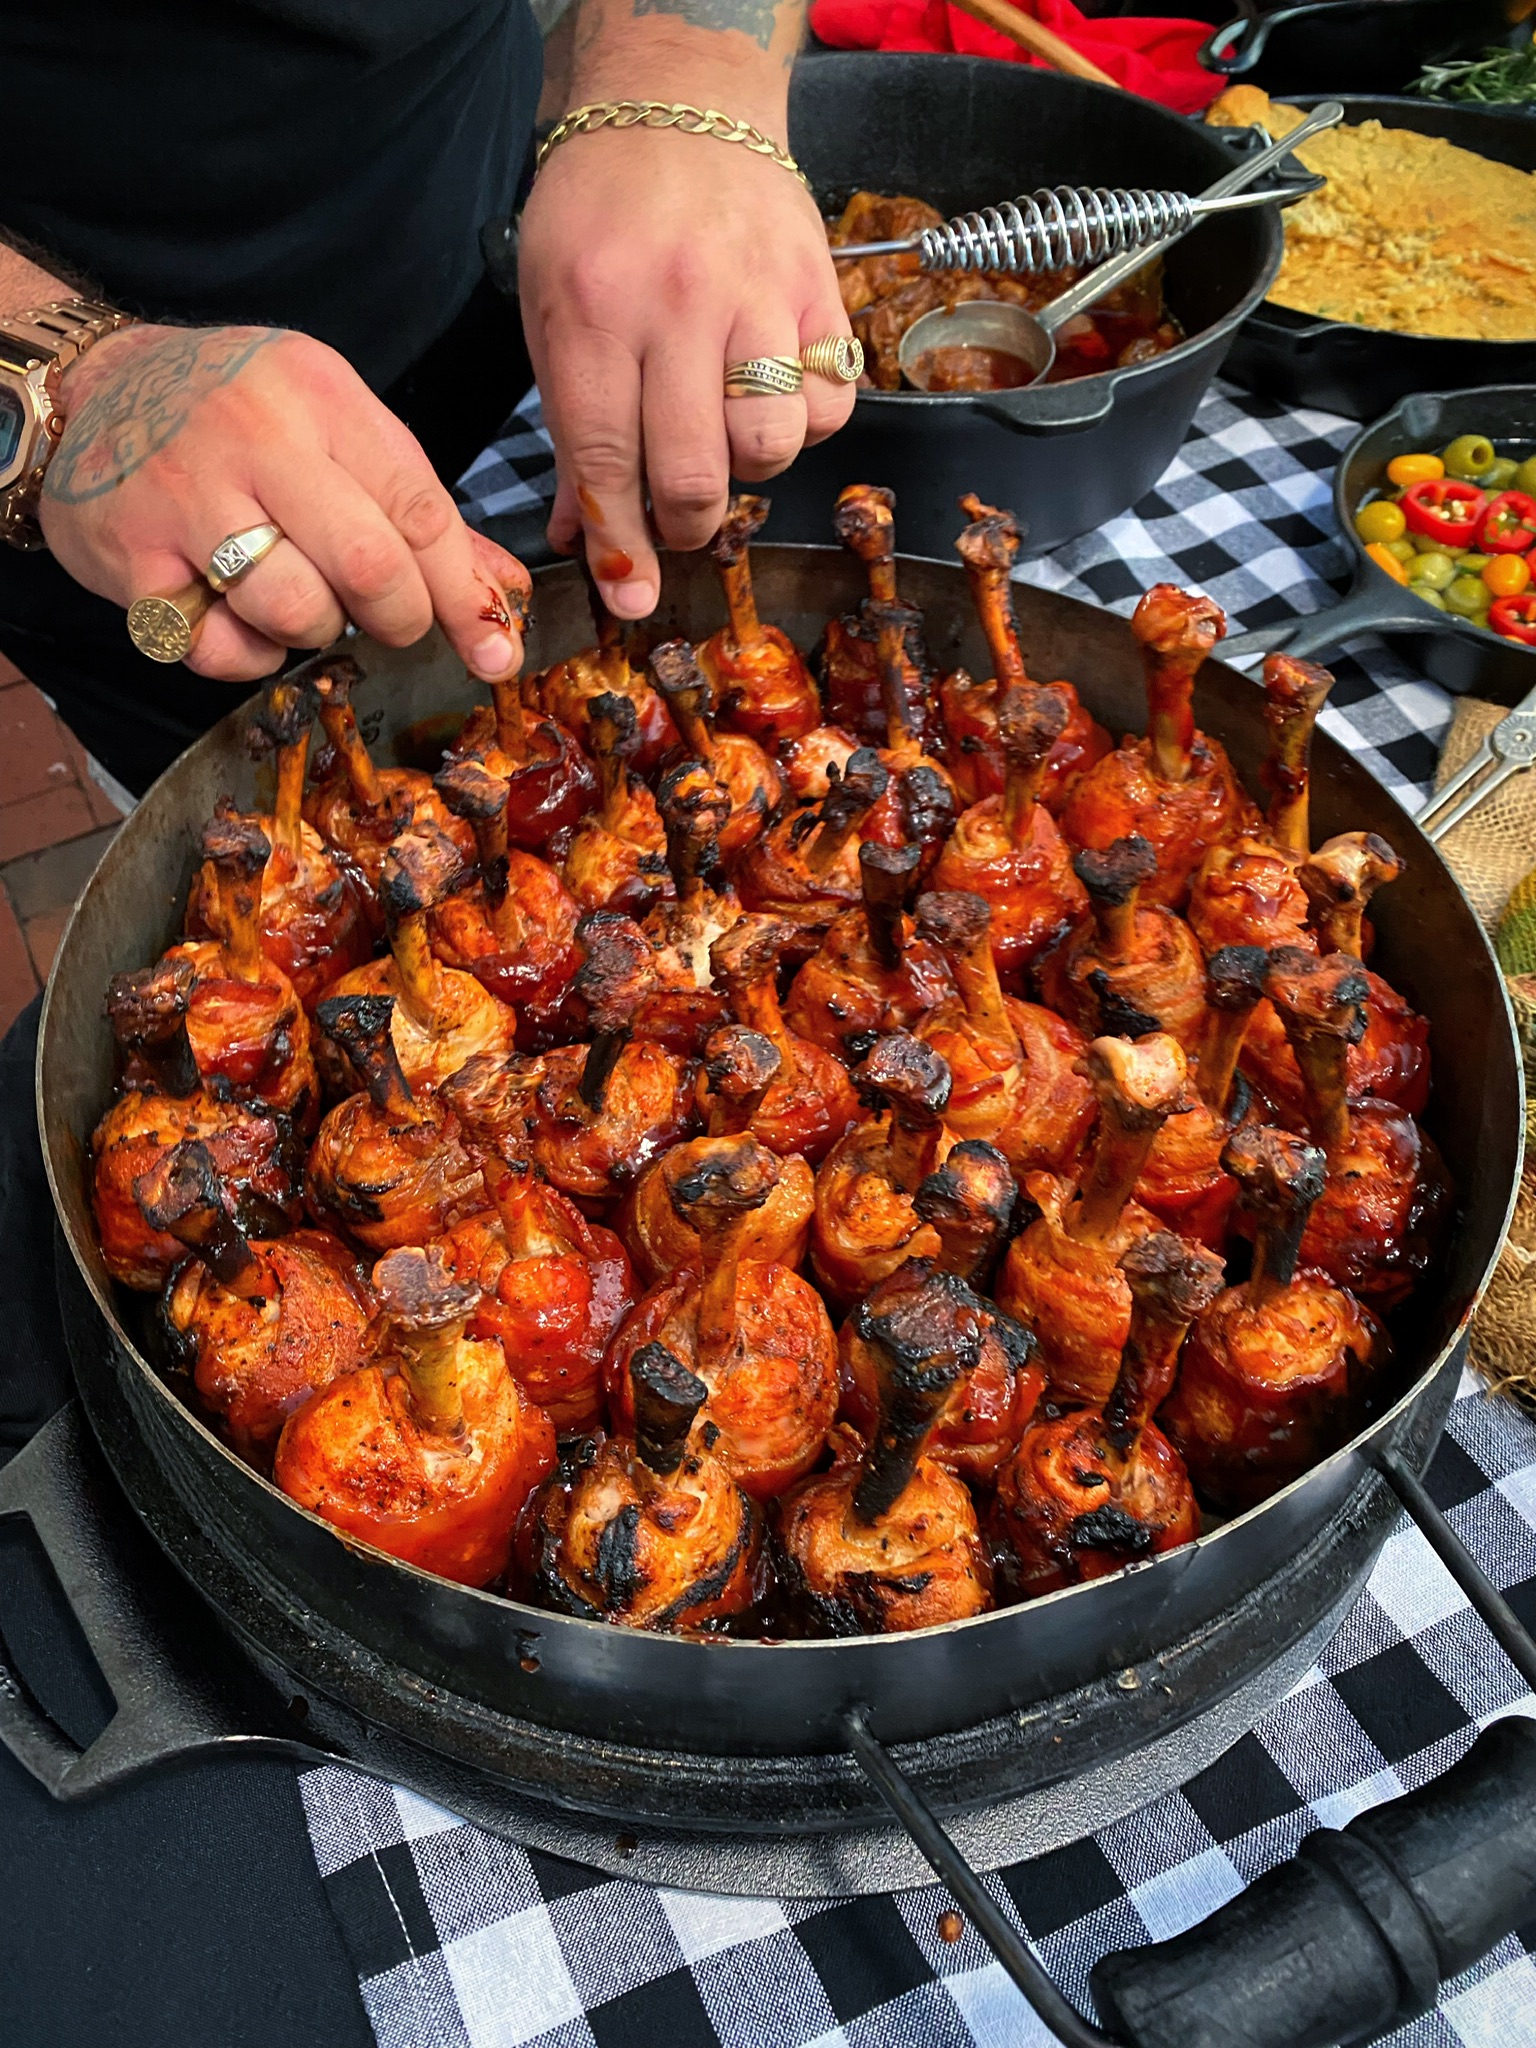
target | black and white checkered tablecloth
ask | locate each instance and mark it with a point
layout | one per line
(464, 1941)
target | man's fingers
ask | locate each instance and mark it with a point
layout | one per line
(227, 650)
(330, 518)
(766, 434)
(827, 404)
(286, 599)
(592, 405)
(687, 450)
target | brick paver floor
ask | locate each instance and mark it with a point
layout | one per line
(55, 823)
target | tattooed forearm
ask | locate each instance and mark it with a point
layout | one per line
(139, 396)
(755, 18)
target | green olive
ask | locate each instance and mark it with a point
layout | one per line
(1467, 595)
(1473, 563)
(1469, 457)
(1426, 544)
(1380, 520)
(1431, 572)
(1403, 548)
(1525, 476)
(1429, 596)
(1501, 474)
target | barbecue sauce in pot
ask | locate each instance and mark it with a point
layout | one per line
(960, 367)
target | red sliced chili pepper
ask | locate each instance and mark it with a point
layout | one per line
(1445, 509)
(1509, 524)
(1515, 617)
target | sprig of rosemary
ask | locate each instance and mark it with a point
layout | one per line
(1497, 78)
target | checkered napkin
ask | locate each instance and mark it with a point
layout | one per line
(464, 1941)
(1244, 512)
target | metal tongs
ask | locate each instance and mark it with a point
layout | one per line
(1071, 226)
(1508, 749)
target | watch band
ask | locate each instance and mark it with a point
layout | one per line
(46, 340)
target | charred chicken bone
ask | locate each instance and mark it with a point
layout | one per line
(871, 973)
(686, 1006)
(852, 685)
(753, 783)
(1136, 968)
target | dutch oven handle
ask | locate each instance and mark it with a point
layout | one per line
(166, 1710)
(1350, 1939)
(1236, 46)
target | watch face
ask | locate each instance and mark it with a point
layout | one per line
(13, 419)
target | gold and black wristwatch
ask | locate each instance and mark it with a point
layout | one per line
(35, 350)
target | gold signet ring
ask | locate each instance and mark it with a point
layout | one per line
(239, 552)
(839, 357)
(166, 626)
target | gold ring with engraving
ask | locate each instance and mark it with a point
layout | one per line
(238, 553)
(764, 377)
(838, 357)
(165, 626)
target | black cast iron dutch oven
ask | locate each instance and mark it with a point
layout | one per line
(964, 132)
(1356, 371)
(1336, 46)
(1454, 652)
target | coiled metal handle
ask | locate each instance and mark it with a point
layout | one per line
(1064, 228)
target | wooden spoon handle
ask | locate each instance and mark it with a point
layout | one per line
(1043, 42)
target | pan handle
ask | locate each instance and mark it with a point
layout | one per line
(167, 1708)
(1237, 45)
(1377, 606)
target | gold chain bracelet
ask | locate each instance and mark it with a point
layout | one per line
(659, 114)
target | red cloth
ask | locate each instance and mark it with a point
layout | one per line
(1149, 55)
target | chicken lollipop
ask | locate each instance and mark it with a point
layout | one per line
(1063, 1277)
(1089, 1491)
(254, 1152)
(654, 1532)
(1014, 1065)
(1135, 968)
(441, 1017)
(1007, 848)
(851, 682)
(618, 857)
(749, 777)
(888, 1539)
(754, 1332)
(387, 1166)
(871, 973)
(1175, 788)
(761, 685)
(1273, 1370)
(317, 912)
(806, 865)
(686, 1006)
(1392, 1059)
(261, 1327)
(919, 806)
(987, 547)
(430, 1451)
(551, 779)
(566, 691)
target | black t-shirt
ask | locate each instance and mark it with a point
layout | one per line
(320, 164)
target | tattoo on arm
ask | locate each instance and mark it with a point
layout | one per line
(755, 18)
(139, 404)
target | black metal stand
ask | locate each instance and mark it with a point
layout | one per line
(1351, 1938)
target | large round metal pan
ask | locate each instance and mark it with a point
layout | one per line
(1357, 371)
(1336, 46)
(750, 1699)
(1456, 653)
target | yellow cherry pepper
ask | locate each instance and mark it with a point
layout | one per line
(1384, 558)
(1404, 470)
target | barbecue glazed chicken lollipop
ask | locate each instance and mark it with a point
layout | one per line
(1063, 1277)
(441, 1017)
(1013, 1065)
(1184, 1183)
(654, 1532)
(1392, 1059)
(1271, 1376)
(247, 1027)
(805, 867)
(261, 1327)
(919, 806)
(1370, 1229)
(1007, 848)
(1089, 1491)
(987, 547)
(359, 809)
(888, 1539)
(810, 1102)
(1135, 967)
(430, 1451)
(603, 1111)
(1246, 892)
(984, 1414)
(254, 1153)
(739, 1066)
(551, 779)
(514, 926)
(754, 1332)
(1175, 788)
(317, 912)
(565, 692)
(749, 777)
(761, 685)
(686, 1006)
(387, 1166)
(852, 686)
(553, 1286)
(618, 857)
(871, 973)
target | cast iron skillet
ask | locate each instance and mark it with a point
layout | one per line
(1456, 654)
(1336, 46)
(1303, 360)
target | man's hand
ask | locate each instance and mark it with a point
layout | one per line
(176, 437)
(649, 259)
